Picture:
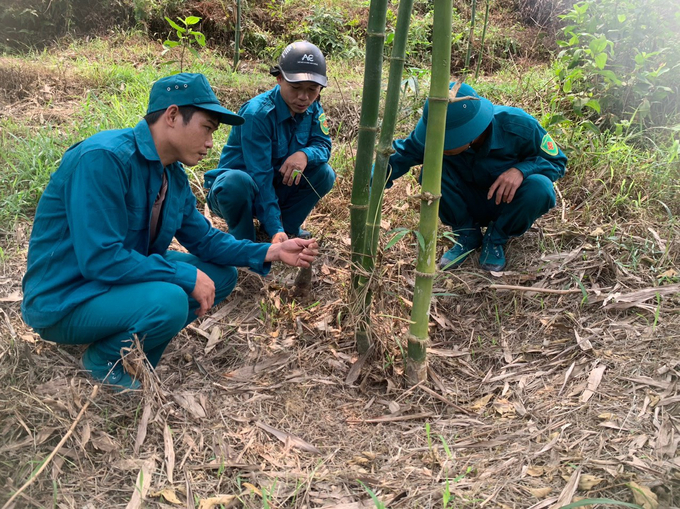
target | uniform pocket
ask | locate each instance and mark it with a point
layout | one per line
(137, 218)
(302, 138)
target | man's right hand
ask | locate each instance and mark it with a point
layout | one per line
(294, 252)
(204, 292)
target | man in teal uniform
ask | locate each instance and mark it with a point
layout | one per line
(498, 172)
(275, 166)
(99, 270)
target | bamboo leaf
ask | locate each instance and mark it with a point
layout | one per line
(593, 501)
(400, 234)
(421, 239)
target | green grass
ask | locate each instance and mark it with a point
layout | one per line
(618, 175)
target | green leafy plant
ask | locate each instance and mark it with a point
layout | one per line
(327, 29)
(376, 500)
(618, 62)
(187, 38)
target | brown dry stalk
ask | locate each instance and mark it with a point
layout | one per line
(444, 400)
(56, 449)
(534, 289)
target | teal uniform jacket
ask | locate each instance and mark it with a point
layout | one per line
(516, 140)
(91, 229)
(260, 146)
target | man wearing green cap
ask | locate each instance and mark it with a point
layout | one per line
(99, 269)
(275, 166)
(498, 171)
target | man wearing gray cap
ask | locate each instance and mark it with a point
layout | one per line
(498, 171)
(99, 269)
(275, 167)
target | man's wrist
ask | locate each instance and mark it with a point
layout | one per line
(273, 253)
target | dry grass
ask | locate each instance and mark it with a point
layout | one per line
(572, 376)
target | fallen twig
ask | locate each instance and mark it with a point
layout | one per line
(444, 400)
(389, 418)
(534, 289)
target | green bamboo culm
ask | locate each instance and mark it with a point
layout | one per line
(384, 150)
(237, 35)
(416, 360)
(472, 35)
(481, 44)
(368, 127)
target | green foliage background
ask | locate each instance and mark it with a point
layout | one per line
(620, 62)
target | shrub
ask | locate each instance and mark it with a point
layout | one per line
(619, 63)
(31, 23)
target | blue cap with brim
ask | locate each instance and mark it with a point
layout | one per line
(188, 89)
(465, 120)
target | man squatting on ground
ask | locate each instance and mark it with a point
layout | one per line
(498, 171)
(275, 166)
(99, 270)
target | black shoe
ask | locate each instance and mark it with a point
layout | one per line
(301, 234)
(492, 257)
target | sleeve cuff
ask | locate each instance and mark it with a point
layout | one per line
(185, 276)
(257, 263)
(526, 169)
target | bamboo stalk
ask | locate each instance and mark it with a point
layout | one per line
(416, 361)
(481, 49)
(370, 105)
(471, 36)
(383, 152)
(237, 35)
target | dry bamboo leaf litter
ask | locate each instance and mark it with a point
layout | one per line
(537, 330)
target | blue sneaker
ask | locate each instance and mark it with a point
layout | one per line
(108, 372)
(492, 257)
(465, 244)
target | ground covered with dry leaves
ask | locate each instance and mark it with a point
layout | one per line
(553, 381)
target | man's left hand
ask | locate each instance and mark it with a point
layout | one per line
(293, 167)
(294, 252)
(506, 186)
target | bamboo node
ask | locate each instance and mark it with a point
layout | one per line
(429, 197)
(387, 151)
(358, 207)
(426, 275)
(411, 338)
